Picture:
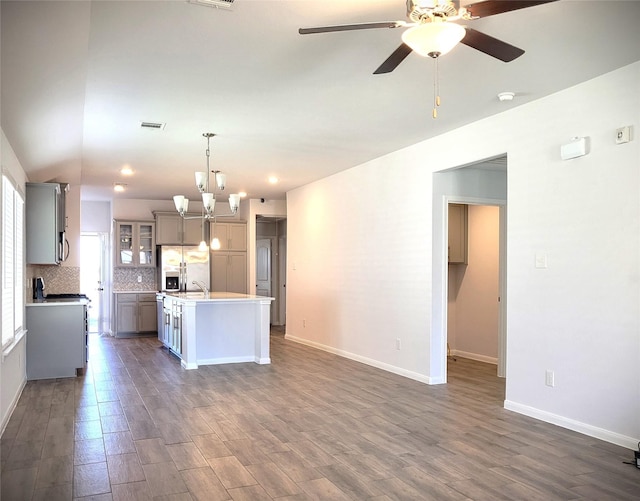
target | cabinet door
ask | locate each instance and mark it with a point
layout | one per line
(127, 316)
(232, 236)
(41, 223)
(125, 244)
(147, 317)
(457, 233)
(237, 235)
(168, 229)
(219, 265)
(192, 231)
(221, 232)
(146, 244)
(237, 273)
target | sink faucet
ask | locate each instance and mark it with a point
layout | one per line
(205, 291)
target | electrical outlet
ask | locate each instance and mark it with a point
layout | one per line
(139, 279)
(549, 378)
(398, 344)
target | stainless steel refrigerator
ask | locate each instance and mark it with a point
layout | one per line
(180, 265)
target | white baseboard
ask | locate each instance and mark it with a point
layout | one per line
(226, 360)
(367, 361)
(474, 356)
(12, 407)
(571, 424)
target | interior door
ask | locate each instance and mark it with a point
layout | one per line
(263, 267)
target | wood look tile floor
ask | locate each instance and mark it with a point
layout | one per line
(310, 426)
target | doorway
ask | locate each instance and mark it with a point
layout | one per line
(93, 282)
(271, 264)
(481, 183)
(473, 297)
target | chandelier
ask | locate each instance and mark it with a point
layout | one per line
(208, 198)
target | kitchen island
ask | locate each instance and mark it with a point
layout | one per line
(215, 328)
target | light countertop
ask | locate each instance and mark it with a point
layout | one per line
(214, 296)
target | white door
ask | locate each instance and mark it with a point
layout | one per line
(282, 280)
(94, 255)
(263, 267)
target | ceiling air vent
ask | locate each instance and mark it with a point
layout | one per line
(152, 125)
(218, 4)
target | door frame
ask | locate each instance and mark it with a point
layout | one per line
(502, 275)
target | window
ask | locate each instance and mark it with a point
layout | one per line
(12, 262)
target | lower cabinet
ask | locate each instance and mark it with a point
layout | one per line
(56, 340)
(170, 333)
(135, 313)
(229, 272)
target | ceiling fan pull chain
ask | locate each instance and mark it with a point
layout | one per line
(436, 89)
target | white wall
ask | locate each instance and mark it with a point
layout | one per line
(95, 216)
(361, 275)
(474, 289)
(13, 373)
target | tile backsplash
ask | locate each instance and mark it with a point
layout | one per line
(126, 279)
(57, 279)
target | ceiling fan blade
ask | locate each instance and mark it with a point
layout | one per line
(350, 27)
(491, 46)
(493, 7)
(394, 59)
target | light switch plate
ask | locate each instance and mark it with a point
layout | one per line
(541, 259)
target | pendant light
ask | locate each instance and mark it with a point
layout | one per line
(208, 198)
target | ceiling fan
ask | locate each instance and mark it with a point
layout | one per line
(433, 30)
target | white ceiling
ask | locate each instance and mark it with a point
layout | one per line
(79, 77)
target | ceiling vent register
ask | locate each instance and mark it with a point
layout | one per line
(218, 4)
(152, 125)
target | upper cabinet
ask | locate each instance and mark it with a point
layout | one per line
(45, 223)
(458, 233)
(232, 236)
(171, 229)
(135, 241)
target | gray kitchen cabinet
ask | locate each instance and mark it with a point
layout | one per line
(229, 272)
(458, 215)
(45, 223)
(171, 229)
(135, 244)
(56, 339)
(232, 236)
(135, 313)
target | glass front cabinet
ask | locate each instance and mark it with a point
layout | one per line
(135, 241)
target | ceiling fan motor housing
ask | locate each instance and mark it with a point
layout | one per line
(423, 11)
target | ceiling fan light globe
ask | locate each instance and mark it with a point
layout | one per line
(433, 39)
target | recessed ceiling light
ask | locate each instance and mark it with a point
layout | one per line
(273, 179)
(119, 187)
(126, 171)
(242, 194)
(506, 96)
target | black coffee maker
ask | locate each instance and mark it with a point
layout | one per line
(38, 289)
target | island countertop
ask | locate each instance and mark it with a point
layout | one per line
(200, 297)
